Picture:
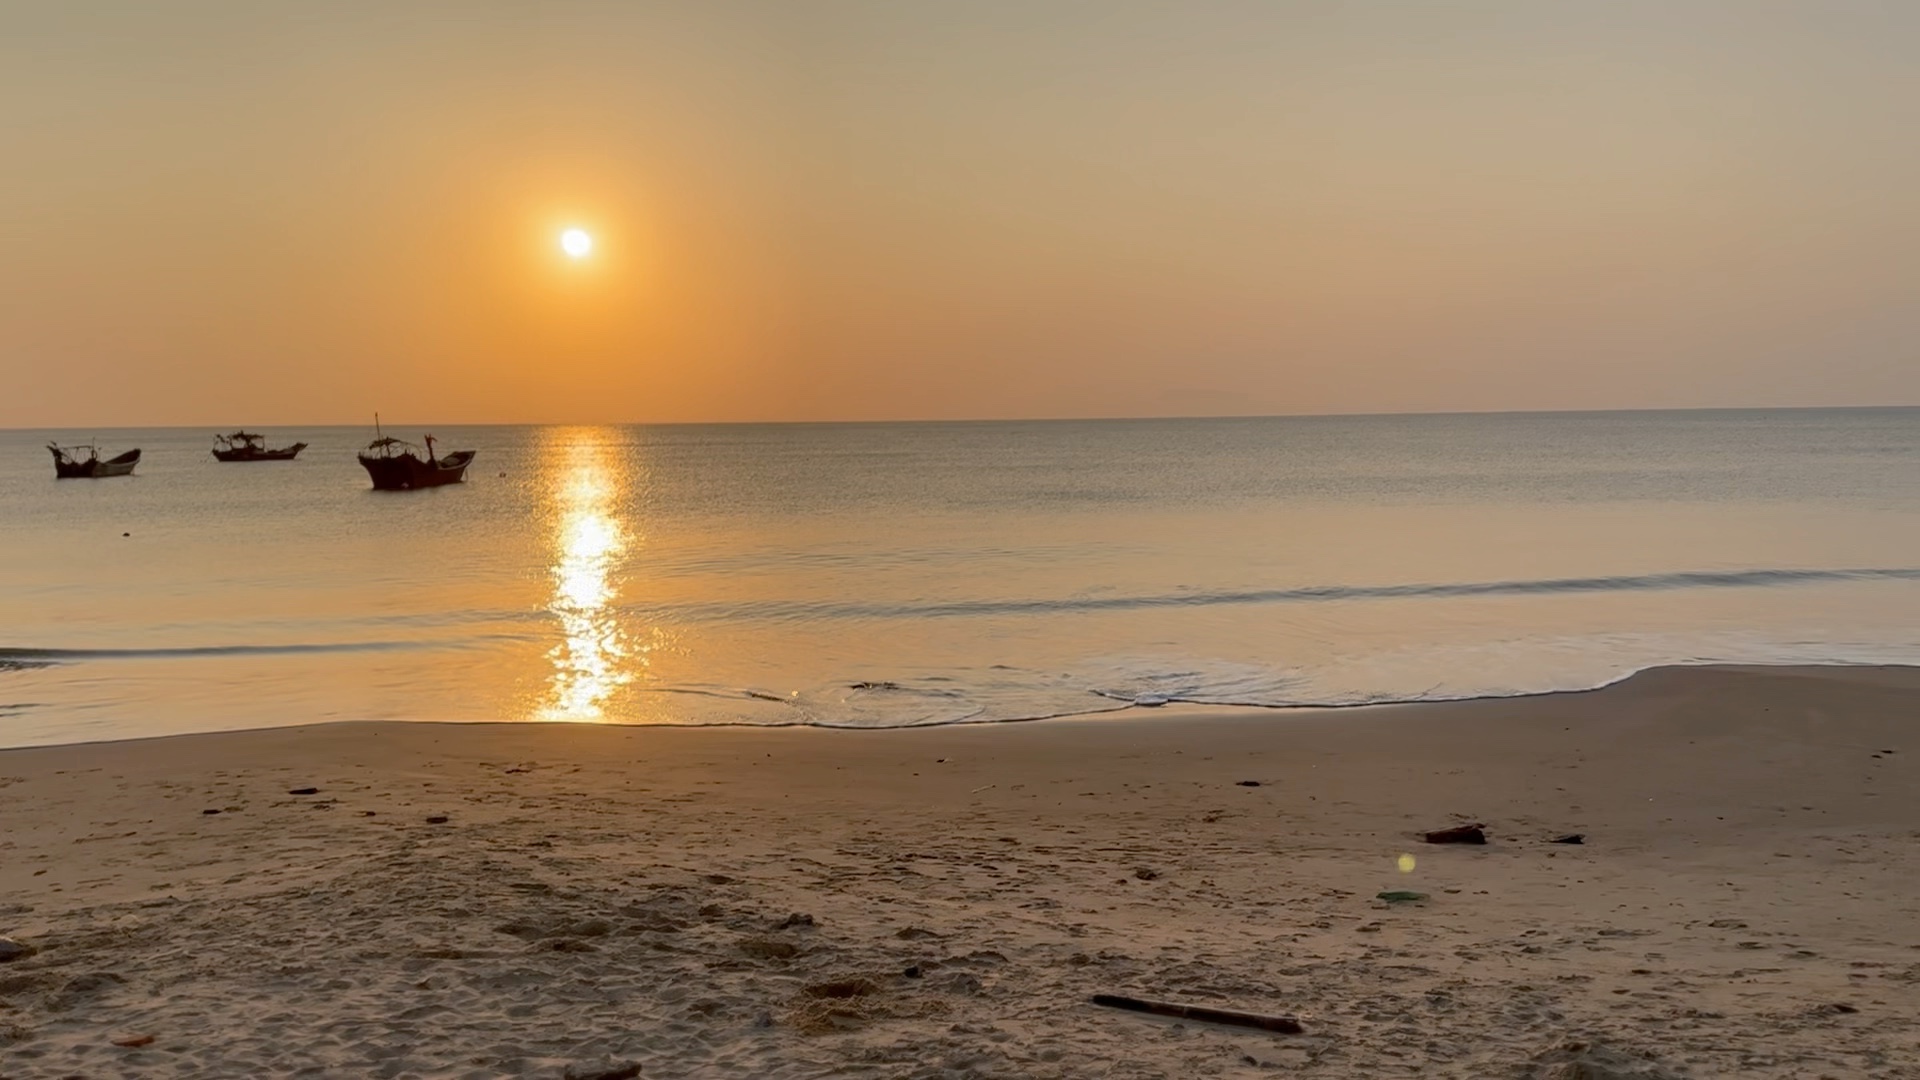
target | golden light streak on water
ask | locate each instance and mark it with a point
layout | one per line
(593, 657)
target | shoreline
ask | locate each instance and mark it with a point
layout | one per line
(1172, 708)
(494, 899)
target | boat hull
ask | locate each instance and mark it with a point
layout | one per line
(93, 469)
(405, 472)
(247, 454)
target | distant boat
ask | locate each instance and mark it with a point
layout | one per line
(83, 460)
(397, 466)
(247, 446)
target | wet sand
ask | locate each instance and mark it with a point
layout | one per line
(521, 900)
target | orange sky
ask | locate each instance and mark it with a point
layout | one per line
(228, 211)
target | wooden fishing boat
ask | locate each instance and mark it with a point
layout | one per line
(398, 466)
(247, 446)
(83, 461)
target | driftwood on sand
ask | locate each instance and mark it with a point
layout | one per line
(1286, 1025)
(1459, 834)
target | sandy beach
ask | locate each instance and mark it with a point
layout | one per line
(546, 900)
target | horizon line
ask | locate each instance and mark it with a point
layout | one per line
(1019, 419)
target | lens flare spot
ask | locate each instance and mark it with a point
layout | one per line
(1406, 863)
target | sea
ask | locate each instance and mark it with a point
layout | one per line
(893, 575)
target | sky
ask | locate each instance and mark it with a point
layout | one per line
(249, 212)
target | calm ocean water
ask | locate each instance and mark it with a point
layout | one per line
(884, 575)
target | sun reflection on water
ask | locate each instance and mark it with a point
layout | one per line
(594, 656)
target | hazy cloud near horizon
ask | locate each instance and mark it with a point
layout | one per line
(223, 212)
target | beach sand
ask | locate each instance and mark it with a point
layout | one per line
(521, 900)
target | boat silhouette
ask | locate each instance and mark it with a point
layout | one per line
(83, 461)
(397, 465)
(248, 446)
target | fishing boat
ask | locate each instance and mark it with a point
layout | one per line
(83, 460)
(395, 465)
(247, 446)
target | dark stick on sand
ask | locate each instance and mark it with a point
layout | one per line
(1286, 1025)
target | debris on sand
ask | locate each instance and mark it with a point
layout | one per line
(1145, 873)
(1246, 783)
(1570, 838)
(303, 791)
(14, 950)
(133, 1042)
(1459, 834)
(1401, 896)
(1286, 1025)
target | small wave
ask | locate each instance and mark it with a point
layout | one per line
(790, 712)
(1690, 579)
(30, 658)
(22, 658)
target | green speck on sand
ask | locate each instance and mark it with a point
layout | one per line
(1398, 896)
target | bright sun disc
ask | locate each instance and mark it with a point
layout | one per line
(576, 243)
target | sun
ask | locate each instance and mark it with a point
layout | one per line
(576, 243)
